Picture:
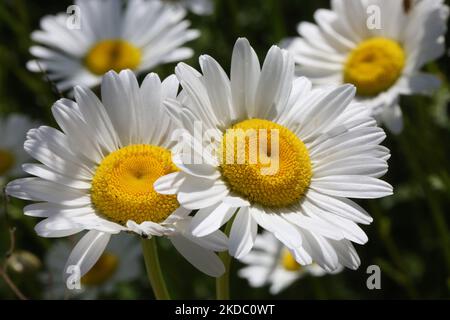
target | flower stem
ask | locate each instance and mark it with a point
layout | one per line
(153, 268)
(223, 282)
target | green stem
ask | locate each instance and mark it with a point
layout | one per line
(153, 268)
(223, 282)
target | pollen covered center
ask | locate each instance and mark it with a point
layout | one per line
(122, 188)
(112, 54)
(265, 163)
(6, 161)
(103, 270)
(374, 66)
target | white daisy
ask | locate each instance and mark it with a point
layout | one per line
(199, 7)
(327, 151)
(97, 174)
(380, 46)
(272, 264)
(138, 36)
(119, 263)
(13, 129)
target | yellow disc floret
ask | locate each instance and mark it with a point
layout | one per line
(266, 163)
(288, 261)
(102, 271)
(122, 188)
(112, 54)
(6, 161)
(374, 65)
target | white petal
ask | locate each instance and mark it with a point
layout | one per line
(120, 96)
(321, 251)
(169, 184)
(45, 209)
(204, 260)
(245, 71)
(56, 227)
(275, 84)
(210, 219)
(202, 194)
(45, 173)
(340, 206)
(392, 117)
(284, 231)
(243, 233)
(41, 190)
(218, 87)
(360, 187)
(87, 251)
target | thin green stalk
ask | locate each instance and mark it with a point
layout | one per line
(153, 268)
(223, 282)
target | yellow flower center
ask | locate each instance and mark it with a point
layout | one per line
(6, 161)
(374, 66)
(288, 261)
(265, 162)
(102, 271)
(122, 188)
(112, 54)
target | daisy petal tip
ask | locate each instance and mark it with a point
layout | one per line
(198, 231)
(242, 42)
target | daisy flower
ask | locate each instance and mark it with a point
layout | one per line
(97, 173)
(110, 36)
(198, 7)
(13, 129)
(271, 263)
(380, 46)
(326, 150)
(119, 263)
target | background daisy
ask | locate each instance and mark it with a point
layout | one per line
(120, 262)
(380, 46)
(13, 129)
(110, 36)
(97, 173)
(272, 264)
(328, 151)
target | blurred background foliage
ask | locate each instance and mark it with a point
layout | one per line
(409, 238)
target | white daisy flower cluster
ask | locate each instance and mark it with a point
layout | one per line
(122, 161)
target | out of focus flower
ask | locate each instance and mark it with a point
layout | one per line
(97, 174)
(108, 36)
(322, 150)
(380, 46)
(13, 129)
(272, 264)
(199, 7)
(22, 261)
(119, 263)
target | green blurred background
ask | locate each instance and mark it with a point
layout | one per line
(408, 239)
